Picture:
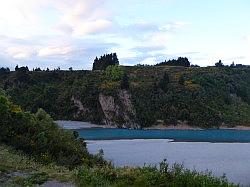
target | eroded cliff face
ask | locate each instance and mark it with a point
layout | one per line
(118, 111)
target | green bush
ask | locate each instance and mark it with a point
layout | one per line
(114, 73)
(39, 136)
(148, 176)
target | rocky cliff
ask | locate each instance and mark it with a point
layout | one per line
(118, 112)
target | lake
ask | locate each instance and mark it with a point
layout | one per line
(210, 135)
(233, 159)
(138, 147)
(196, 149)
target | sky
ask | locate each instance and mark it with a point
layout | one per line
(71, 33)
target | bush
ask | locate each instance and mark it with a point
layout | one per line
(148, 176)
(39, 136)
(114, 73)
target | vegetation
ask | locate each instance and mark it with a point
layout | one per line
(147, 176)
(181, 61)
(19, 169)
(39, 146)
(104, 61)
(38, 135)
(198, 96)
(114, 73)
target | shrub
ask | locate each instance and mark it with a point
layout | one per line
(39, 136)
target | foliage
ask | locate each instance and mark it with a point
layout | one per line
(125, 82)
(39, 136)
(181, 61)
(104, 61)
(30, 171)
(204, 97)
(147, 176)
(219, 64)
(114, 73)
(163, 83)
(106, 175)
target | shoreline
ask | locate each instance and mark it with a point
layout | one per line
(78, 125)
(168, 140)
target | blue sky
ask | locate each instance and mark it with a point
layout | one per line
(70, 33)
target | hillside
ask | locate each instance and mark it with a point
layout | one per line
(169, 95)
(35, 151)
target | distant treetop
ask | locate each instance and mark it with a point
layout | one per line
(181, 61)
(219, 64)
(104, 61)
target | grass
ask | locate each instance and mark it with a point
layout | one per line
(29, 171)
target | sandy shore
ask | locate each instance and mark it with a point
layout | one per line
(187, 127)
(173, 127)
(247, 128)
(76, 125)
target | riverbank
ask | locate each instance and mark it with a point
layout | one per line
(77, 125)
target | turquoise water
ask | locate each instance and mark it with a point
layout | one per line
(211, 135)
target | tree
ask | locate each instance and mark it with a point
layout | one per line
(115, 59)
(181, 61)
(232, 65)
(219, 64)
(37, 69)
(163, 84)
(22, 69)
(4, 70)
(125, 82)
(22, 74)
(114, 73)
(181, 80)
(104, 61)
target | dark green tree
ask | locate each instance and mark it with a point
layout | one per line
(219, 64)
(181, 61)
(181, 80)
(163, 84)
(125, 82)
(104, 61)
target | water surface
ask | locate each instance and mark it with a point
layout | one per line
(210, 135)
(220, 151)
(233, 159)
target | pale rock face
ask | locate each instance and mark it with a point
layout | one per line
(119, 112)
(109, 109)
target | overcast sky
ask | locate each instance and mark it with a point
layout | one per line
(71, 33)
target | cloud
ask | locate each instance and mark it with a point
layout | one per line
(173, 26)
(31, 32)
(140, 27)
(54, 51)
(146, 49)
(19, 52)
(81, 18)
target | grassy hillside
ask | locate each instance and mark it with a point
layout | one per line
(39, 151)
(204, 97)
